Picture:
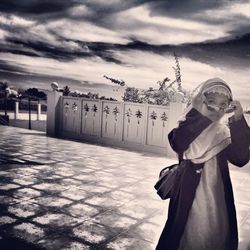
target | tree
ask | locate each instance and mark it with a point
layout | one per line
(120, 83)
(116, 81)
(66, 90)
(3, 89)
(93, 95)
(168, 90)
(131, 94)
(3, 86)
(41, 95)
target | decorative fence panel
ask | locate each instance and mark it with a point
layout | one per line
(247, 116)
(91, 111)
(71, 114)
(157, 126)
(99, 120)
(112, 117)
(134, 122)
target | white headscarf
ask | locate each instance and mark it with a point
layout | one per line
(216, 136)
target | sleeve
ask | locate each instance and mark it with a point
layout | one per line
(238, 151)
(180, 137)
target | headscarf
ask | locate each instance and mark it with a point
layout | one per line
(216, 136)
(216, 85)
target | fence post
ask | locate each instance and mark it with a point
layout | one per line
(53, 113)
(16, 110)
(38, 111)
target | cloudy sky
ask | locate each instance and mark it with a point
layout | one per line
(76, 42)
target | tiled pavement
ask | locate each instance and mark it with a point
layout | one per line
(58, 194)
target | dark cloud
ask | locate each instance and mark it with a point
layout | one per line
(17, 76)
(44, 10)
(7, 67)
(234, 52)
(157, 7)
(35, 7)
(102, 13)
(182, 8)
(60, 53)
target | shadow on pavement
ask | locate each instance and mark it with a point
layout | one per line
(17, 244)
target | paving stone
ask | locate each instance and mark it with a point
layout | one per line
(94, 188)
(86, 170)
(136, 212)
(93, 233)
(118, 222)
(24, 182)
(76, 246)
(57, 220)
(64, 171)
(124, 242)
(24, 209)
(54, 241)
(122, 196)
(70, 182)
(8, 200)
(51, 201)
(75, 193)
(8, 186)
(82, 210)
(50, 187)
(6, 220)
(111, 184)
(242, 211)
(27, 171)
(159, 217)
(85, 177)
(104, 201)
(28, 231)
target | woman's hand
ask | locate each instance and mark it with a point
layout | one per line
(238, 110)
(197, 101)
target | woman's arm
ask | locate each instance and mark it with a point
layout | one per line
(238, 151)
(188, 130)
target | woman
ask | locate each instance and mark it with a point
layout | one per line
(201, 211)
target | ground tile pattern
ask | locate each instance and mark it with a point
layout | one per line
(59, 194)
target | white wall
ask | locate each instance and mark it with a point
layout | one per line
(141, 124)
(247, 116)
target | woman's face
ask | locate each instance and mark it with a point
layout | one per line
(216, 104)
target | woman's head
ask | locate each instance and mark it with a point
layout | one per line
(216, 85)
(218, 96)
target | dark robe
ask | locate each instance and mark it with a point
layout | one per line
(237, 152)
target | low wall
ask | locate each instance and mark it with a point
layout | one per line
(142, 127)
(24, 115)
(35, 125)
(247, 116)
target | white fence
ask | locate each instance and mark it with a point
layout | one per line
(142, 125)
(247, 116)
(24, 115)
(137, 126)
